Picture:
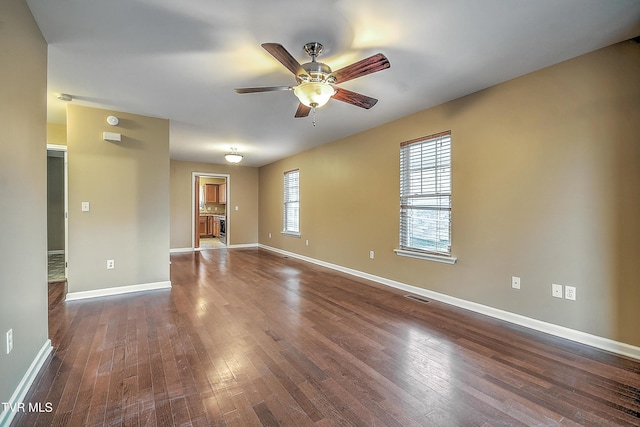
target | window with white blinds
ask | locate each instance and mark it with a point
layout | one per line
(291, 210)
(425, 194)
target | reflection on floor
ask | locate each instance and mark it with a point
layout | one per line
(211, 243)
(55, 267)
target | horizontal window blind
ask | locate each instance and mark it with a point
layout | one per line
(291, 211)
(425, 194)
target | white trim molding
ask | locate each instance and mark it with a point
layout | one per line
(238, 246)
(74, 296)
(180, 250)
(430, 257)
(538, 325)
(6, 414)
(291, 234)
(242, 245)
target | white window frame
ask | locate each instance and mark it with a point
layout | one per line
(425, 198)
(291, 203)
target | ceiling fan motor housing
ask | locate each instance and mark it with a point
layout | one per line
(316, 72)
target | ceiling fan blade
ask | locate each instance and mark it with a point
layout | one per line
(354, 98)
(361, 68)
(303, 111)
(281, 54)
(262, 89)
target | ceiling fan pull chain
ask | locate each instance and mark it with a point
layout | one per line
(313, 114)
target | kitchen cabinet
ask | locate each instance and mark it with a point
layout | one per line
(203, 226)
(222, 193)
(215, 229)
(211, 193)
(209, 226)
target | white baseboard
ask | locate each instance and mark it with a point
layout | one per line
(180, 250)
(74, 296)
(538, 325)
(243, 245)
(7, 415)
(56, 252)
(238, 246)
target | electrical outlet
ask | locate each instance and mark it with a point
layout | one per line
(372, 254)
(269, 235)
(515, 282)
(9, 340)
(111, 264)
(556, 290)
(570, 293)
(307, 242)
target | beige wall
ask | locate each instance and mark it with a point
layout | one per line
(242, 187)
(56, 134)
(546, 171)
(126, 185)
(23, 192)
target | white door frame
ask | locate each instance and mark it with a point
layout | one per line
(194, 224)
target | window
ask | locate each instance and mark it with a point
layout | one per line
(291, 211)
(425, 198)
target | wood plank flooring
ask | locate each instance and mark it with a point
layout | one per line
(249, 337)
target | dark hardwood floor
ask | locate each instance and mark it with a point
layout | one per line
(249, 337)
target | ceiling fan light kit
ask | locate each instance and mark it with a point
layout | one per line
(317, 82)
(314, 94)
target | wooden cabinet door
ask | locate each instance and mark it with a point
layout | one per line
(216, 227)
(211, 193)
(202, 226)
(222, 193)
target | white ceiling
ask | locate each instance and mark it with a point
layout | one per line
(181, 60)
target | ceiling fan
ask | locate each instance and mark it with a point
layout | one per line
(317, 82)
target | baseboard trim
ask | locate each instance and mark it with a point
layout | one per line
(74, 296)
(538, 325)
(180, 250)
(7, 415)
(56, 252)
(242, 245)
(238, 246)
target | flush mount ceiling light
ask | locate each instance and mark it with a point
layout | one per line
(233, 157)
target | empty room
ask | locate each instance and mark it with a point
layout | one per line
(322, 213)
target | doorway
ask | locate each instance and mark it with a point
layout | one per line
(57, 221)
(210, 194)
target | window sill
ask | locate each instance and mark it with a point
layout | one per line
(429, 257)
(291, 234)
